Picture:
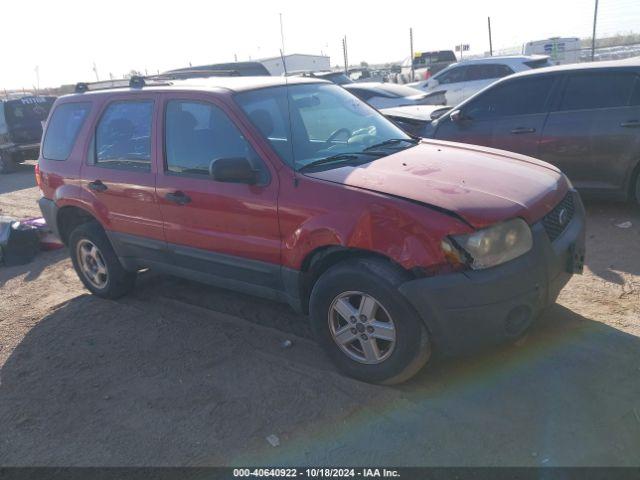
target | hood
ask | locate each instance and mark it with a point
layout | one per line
(420, 113)
(482, 185)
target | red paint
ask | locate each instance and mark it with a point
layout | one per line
(380, 207)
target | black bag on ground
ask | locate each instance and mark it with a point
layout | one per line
(19, 244)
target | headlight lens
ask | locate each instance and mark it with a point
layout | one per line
(496, 244)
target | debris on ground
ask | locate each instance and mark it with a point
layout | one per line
(273, 440)
(624, 225)
(286, 344)
(19, 243)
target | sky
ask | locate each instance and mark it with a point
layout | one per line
(63, 39)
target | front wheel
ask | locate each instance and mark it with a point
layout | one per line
(96, 263)
(366, 326)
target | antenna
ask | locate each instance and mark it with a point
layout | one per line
(286, 86)
(95, 70)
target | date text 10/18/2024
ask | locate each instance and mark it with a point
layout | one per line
(316, 472)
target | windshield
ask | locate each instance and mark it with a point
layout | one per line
(318, 121)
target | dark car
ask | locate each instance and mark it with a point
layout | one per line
(240, 69)
(582, 118)
(21, 129)
(294, 190)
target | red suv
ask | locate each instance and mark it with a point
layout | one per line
(295, 190)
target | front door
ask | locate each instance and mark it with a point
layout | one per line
(118, 177)
(225, 230)
(509, 116)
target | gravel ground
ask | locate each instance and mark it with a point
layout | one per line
(184, 374)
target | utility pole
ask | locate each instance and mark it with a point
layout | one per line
(284, 66)
(593, 36)
(37, 70)
(344, 54)
(411, 53)
(95, 70)
(490, 42)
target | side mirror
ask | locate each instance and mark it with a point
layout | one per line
(233, 170)
(457, 116)
(436, 114)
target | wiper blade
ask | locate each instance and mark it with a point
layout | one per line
(338, 157)
(392, 141)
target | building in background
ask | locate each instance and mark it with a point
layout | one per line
(296, 62)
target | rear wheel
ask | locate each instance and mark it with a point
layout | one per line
(366, 326)
(7, 165)
(96, 263)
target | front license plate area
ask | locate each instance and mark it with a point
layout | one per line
(575, 259)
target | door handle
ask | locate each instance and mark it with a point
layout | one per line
(97, 186)
(520, 130)
(178, 197)
(631, 124)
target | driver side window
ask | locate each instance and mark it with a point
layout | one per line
(197, 134)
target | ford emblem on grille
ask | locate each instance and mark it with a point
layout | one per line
(563, 217)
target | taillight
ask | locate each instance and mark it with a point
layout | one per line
(38, 176)
(427, 75)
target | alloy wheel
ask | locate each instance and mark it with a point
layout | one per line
(92, 263)
(361, 327)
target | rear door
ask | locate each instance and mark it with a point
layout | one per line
(118, 177)
(218, 229)
(593, 134)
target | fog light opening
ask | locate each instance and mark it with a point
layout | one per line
(518, 320)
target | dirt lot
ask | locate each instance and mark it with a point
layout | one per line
(183, 374)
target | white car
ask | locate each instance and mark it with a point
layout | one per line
(386, 95)
(461, 80)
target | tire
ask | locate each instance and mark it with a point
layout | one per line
(7, 165)
(99, 270)
(343, 287)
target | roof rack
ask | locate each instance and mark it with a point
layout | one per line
(196, 73)
(135, 81)
(138, 81)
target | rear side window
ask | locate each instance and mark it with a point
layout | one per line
(539, 63)
(598, 90)
(518, 97)
(487, 71)
(65, 124)
(123, 136)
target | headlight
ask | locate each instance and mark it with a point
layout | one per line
(494, 245)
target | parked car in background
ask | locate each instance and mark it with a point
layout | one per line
(21, 129)
(295, 190)
(559, 50)
(385, 95)
(582, 118)
(425, 65)
(339, 78)
(415, 120)
(461, 80)
(240, 69)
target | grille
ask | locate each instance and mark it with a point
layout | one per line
(556, 221)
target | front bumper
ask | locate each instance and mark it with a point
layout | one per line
(475, 308)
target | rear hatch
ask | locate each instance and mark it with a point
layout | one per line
(24, 118)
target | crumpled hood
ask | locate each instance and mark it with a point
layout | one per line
(479, 184)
